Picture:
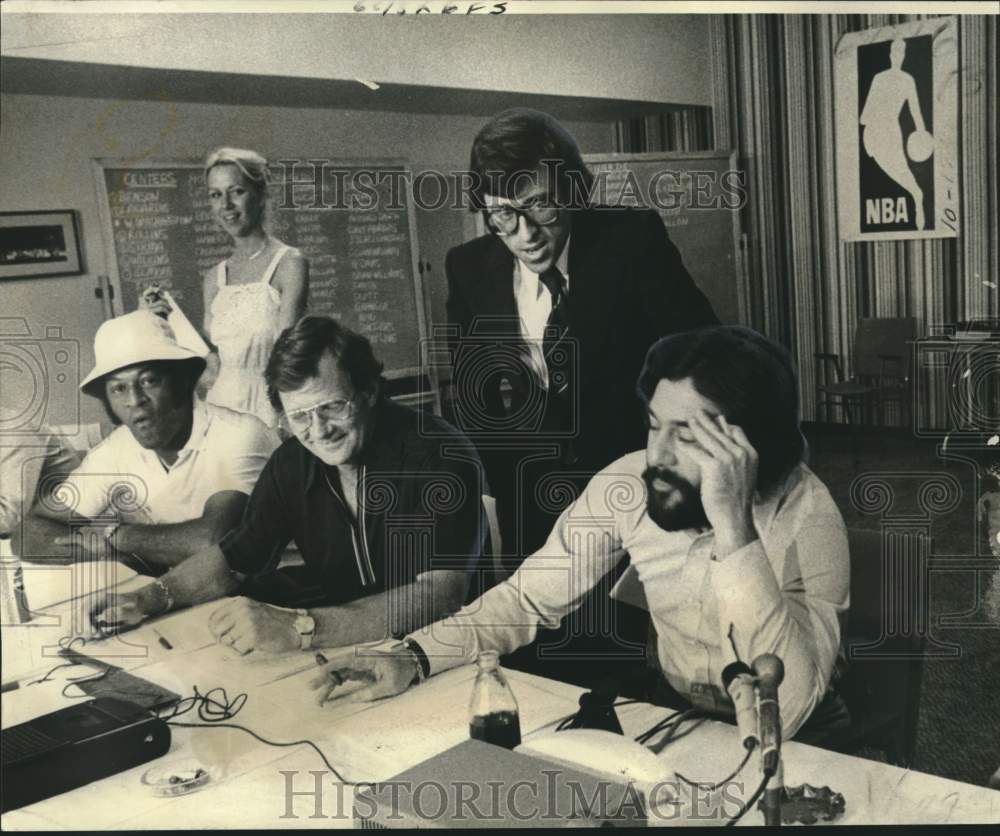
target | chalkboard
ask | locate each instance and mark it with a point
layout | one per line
(698, 195)
(362, 261)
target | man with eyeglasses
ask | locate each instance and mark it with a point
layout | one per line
(169, 481)
(552, 313)
(387, 517)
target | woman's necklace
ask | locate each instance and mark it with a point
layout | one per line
(258, 251)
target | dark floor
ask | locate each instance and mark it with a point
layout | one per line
(958, 731)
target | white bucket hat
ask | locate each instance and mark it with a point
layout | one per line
(137, 337)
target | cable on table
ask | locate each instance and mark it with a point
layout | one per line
(753, 800)
(710, 786)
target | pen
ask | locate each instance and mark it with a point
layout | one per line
(160, 638)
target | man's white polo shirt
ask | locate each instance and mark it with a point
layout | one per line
(226, 452)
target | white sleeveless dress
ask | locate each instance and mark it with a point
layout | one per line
(244, 327)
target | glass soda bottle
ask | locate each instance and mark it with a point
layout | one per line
(493, 716)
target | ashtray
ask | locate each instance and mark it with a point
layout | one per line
(176, 778)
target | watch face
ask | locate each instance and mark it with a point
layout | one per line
(305, 625)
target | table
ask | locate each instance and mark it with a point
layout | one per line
(375, 741)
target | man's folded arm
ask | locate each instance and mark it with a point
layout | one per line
(88, 491)
(202, 577)
(795, 617)
(159, 545)
(168, 544)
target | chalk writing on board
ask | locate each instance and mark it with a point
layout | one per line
(360, 258)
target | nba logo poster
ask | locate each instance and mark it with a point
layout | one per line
(897, 132)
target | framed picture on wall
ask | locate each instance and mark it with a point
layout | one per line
(34, 244)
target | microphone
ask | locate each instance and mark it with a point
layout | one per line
(737, 679)
(770, 671)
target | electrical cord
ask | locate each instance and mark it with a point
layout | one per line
(565, 722)
(673, 736)
(753, 800)
(215, 707)
(66, 643)
(669, 723)
(279, 744)
(710, 786)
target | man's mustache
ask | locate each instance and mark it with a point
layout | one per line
(668, 476)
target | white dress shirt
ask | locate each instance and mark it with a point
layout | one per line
(226, 451)
(534, 305)
(784, 593)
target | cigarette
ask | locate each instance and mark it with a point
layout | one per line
(162, 639)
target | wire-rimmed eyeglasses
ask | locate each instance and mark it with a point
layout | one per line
(300, 420)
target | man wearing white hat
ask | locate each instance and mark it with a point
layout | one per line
(171, 479)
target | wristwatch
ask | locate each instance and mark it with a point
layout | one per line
(305, 626)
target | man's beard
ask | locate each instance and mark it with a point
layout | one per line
(669, 513)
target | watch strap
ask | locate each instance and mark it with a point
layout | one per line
(305, 635)
(423, 663)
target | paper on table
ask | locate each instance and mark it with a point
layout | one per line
(400, 732)
(226, 666)
(34, 698)
(185, 632)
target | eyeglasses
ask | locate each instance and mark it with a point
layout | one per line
(504, 219)
(300, 420)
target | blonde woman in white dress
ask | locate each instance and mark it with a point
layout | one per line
(252, 296)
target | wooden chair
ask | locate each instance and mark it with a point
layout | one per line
(882, 694)
(882, 373)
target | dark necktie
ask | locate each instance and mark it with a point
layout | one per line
(557, 354)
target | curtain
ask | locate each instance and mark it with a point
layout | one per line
(679, 129)
(773, 93)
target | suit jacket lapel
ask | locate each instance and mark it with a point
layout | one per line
(495, 290)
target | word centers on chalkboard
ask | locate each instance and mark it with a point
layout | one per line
(359, 241)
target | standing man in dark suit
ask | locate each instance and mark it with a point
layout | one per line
(551, 315)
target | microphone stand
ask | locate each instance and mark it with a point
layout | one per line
(769, 672)
(771, 804)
